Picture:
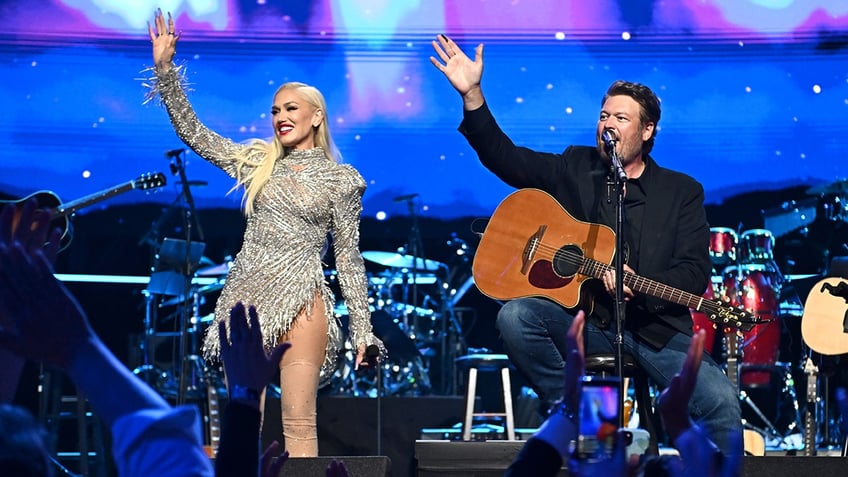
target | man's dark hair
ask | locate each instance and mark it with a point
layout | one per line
(649, 105)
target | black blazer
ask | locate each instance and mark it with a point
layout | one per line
(674, 246)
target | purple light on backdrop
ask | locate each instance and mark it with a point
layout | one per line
(747, 87)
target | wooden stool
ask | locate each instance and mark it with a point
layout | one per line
(604, 365)
(486, 362)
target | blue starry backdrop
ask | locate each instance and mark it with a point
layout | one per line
(754, 92)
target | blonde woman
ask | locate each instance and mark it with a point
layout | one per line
(295, 193)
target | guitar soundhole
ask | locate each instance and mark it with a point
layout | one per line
(542, 275)
(567, 260)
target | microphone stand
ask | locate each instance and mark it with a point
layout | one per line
(178, 167)
(619, 178)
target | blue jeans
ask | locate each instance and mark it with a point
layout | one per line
(534, 332)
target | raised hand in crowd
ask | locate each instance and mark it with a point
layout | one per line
(337, 468)
(699, 455)
(39, 236)
(270, 465)
(544, 453)
(248, 368)
(44, 322)
(247, 365)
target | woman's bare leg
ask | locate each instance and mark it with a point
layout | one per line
(299, 373)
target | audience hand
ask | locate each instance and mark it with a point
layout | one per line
(40, 235)
(41, 320)
(337, 468)
(575, 361)
(673, 403)
(699, 455)
(246, 363)
(271, 467)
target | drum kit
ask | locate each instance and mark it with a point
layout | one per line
(746, 274)
(412, 311)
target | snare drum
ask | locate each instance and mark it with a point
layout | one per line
(756, 246)
(723, 243)
(756, 288)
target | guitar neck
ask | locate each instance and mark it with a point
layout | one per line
(69, 208)
(596, 269)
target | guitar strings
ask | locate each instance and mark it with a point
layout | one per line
(641, 284)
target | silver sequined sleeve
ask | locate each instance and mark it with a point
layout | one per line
(351, 269)
(219, 150)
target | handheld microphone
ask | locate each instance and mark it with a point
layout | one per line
(372, 353)
(174, 152)
(402, 198)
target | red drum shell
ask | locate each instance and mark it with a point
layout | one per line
(756, 246)
(756, 289)
(723, 242)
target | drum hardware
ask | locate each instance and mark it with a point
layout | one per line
(839, 187)
(399, 260)
(220, 270)
(790, 216)
(194, 293)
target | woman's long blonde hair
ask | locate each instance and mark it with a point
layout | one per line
(259, 172)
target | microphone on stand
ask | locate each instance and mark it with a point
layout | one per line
(403, 198)
(609, 139)
(174, 152)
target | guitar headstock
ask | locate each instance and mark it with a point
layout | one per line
(730, 316)
(150, 180)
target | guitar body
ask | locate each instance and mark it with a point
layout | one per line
(516, 256)
(824, 325)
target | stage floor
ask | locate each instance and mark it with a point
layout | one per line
(441, 458)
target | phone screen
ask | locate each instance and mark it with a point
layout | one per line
(598, 414)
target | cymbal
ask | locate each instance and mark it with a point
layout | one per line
(396, 260)
(389, 278)
(215, 270)
(838, 187)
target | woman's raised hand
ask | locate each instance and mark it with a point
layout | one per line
(164, 39)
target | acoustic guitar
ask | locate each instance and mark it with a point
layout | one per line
(824, 324)
(60, 212)
(532, 246)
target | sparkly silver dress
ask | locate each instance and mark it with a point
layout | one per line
(278, 269)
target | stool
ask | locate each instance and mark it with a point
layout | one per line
(71, 413)
(486, 362)
(604, 365)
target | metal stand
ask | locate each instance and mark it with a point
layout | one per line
(618, 178)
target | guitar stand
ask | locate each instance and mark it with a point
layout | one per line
(770, 428)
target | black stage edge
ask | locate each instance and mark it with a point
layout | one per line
(489, 459)
(347, 426)
(357, 466)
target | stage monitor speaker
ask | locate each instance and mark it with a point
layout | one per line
(357, 466)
